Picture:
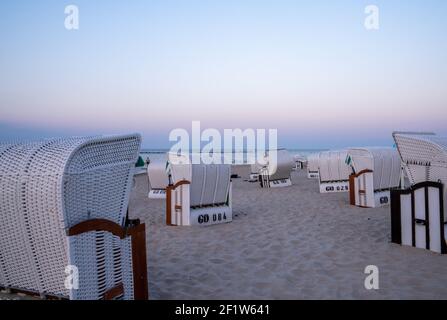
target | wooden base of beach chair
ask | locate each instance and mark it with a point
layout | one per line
(335, 186)
(157, 194)
(417, 217)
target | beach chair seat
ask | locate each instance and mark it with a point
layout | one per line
(199, 194)
(158, 179)
(277, 169)
(417, 213)
(64, 231)
(376, 170)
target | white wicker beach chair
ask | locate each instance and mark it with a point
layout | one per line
(376, 171)
(313, 166)
(276, 172)
(199, 194)
(158, 179)
(333, 171)
(417, 213)
(63, 204)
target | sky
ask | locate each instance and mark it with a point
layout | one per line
(309, 69)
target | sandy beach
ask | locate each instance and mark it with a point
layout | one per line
(287, 243)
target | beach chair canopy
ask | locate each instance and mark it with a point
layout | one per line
(210, 183)
(279, 163)
(384, 162)
(50, 186)
(333, 167)
(158, 176)
(424, 156)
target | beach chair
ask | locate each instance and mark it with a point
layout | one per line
(64, 231)
(300, 162)
(375, 171)
(158, 179)
(198, 194)
(312, 166)
(417, 213)
(276, 172)
(255, 169)
(333, 171)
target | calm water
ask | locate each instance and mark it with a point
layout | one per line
(160, 154)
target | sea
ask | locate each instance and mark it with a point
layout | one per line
(161, 154)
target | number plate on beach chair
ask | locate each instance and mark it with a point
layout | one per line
(313, 175)
(381, 198)
(210, 216)
(330, 187)
(157, 194)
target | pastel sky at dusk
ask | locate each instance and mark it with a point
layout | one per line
(307, 68)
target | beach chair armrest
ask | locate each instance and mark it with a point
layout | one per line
(137, 232)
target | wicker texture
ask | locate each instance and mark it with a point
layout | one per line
(50, 186)
(424, 156)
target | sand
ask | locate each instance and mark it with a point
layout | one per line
(288, 243)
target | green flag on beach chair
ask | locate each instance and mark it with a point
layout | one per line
(140, 162)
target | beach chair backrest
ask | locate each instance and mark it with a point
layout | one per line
(158, 177)
(424, 156)
(281, 167)
(210, 184)
(387, 168)
(98, 168)
(333, 167)
(383, 161)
